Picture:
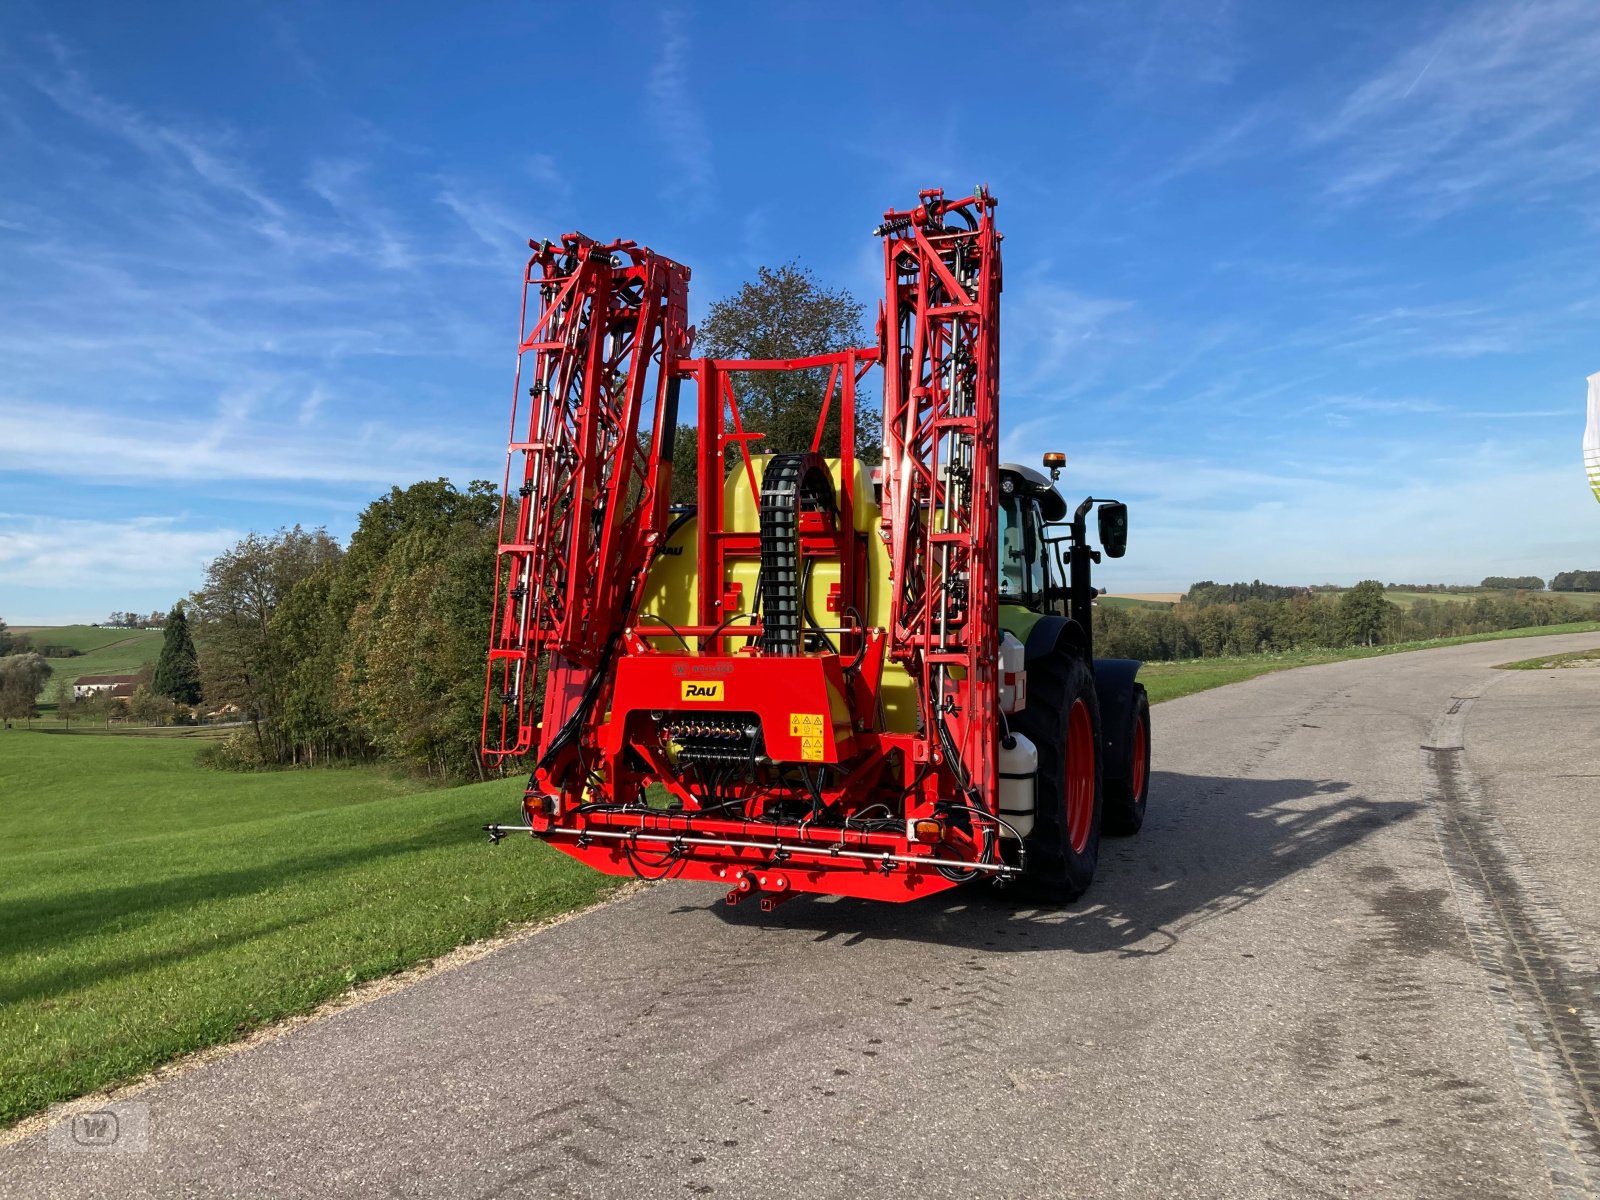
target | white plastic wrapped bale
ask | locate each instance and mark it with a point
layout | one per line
(1591, 436)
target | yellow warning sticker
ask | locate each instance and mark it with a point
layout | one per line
(811, 749)
(702, 691)
(805, 724)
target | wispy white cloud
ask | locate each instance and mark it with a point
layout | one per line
(1340, 406)
(1232, 140)
(489, 222)
(190, 318)
(252, 435)
(1453, 330)
(1056, 337)
(66, 555)
(311, 406)
(1403, 517)
(677, 117)
(1500, 101)
(204, 154)
(1146, 47)
(341, 185)
(548, 176)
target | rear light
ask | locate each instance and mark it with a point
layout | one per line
(542, 806)
(925, 830)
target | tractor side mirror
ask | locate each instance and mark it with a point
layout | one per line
(1114, 529)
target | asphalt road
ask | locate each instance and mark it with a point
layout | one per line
(1335, 963)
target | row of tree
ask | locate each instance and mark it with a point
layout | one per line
(375, 651)
(1513, 583)
(1207, 592)
(133, 620)
(1359, 616)
(1576, 581)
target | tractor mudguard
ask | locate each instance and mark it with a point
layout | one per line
(1049, 633)
(1113, 685)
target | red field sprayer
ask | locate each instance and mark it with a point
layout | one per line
(821, 677)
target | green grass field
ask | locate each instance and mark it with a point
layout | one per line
(149, 907)
(1131, 602)
(105, 651)
(1169, 680)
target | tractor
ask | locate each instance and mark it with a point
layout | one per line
(822, 676)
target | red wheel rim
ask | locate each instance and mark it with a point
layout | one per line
(1078, 778)
(1140, 760)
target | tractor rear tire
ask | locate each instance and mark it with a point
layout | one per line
(1129, 788)
(1063, 721)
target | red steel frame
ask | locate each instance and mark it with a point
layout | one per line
(941, 416)
(579, 534)
(836, 803)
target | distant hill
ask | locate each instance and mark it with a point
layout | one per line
(1405, 599)
(105, 651)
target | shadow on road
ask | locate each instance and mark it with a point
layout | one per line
(1210, 846)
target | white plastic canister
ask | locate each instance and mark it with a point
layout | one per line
(1019, 767)
(1013, 679)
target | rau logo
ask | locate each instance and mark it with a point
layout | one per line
(701, 691)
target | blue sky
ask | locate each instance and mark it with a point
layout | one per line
(1314, 287)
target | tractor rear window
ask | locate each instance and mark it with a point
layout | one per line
(1018, 580)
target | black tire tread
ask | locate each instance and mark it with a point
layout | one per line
(1055, 875)
(1124, 812)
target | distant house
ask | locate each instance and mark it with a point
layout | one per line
(117, 685)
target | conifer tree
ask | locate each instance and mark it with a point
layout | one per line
(178, 668)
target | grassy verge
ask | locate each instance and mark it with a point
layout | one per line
(1168, 681)
(149, 907)
(1578, 658)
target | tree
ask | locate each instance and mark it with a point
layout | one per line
(5, 638)
(785, 313)
(148, 707)
(66, 700)
(22, 678)
(233, 611)
(685, 466)
(96, 706)
(178, 669)
(1365, 613)
(410, 667)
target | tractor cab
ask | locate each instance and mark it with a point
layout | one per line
(1033, 573)
(1045, 556)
